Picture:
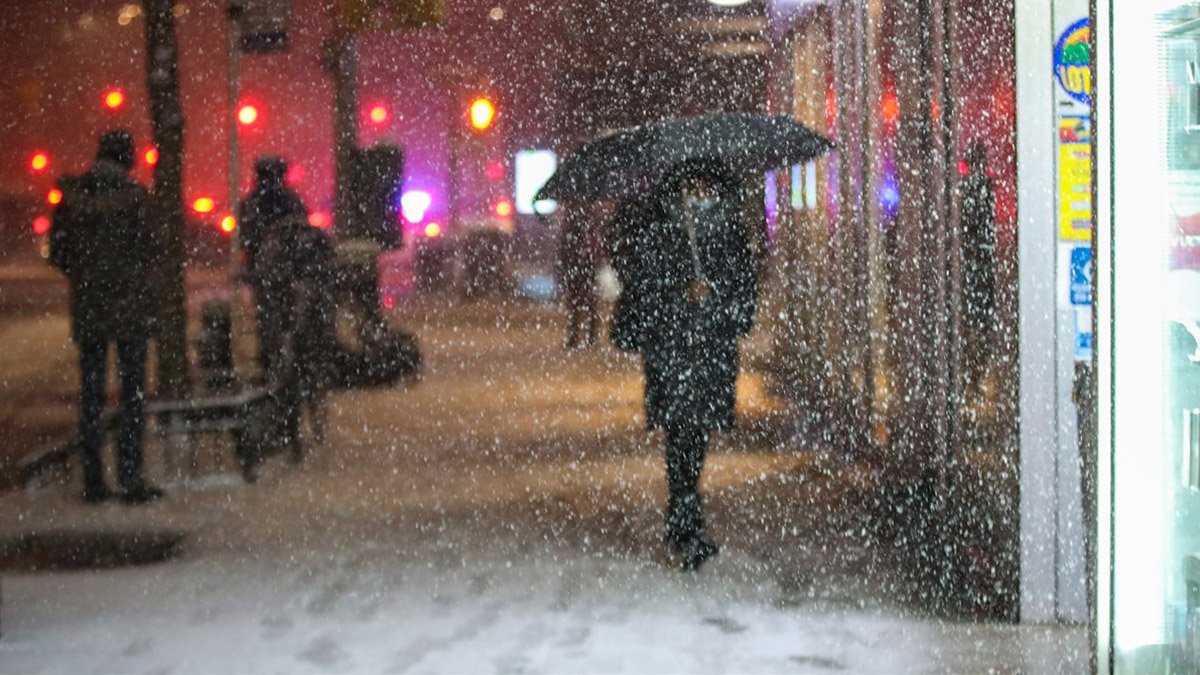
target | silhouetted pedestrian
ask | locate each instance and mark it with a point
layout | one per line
(689, 292)
(101, 239)
(979, 265)
(268, 205)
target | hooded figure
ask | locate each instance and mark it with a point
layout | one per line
(689, 289)
(101, 240)
(264, 214)
(978, 263)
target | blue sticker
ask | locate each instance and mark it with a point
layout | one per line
(1081, 275)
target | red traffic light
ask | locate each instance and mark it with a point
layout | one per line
(114, 99)
(483, 113)
(247, 114)
(39, 161)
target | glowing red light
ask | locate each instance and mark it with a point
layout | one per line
(114, 99)
(379, 114)
(39, 161)
(228, 224)
(495, 170)
(54, 197)
(504, 209)
(482, 112)
(320, 219)
(203, 205)
(962, 167)
(433, 230)
(151, 156)
(295, 174)
(247, 114)
(890, 108)
(41, 225)
(389, 301)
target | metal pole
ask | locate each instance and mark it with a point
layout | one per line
(452, 168)
(235, 49)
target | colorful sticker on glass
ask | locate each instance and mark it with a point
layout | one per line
(1073, 61)
(1074, 178)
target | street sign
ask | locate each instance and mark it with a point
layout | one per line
(1081, 275)
(262, 24)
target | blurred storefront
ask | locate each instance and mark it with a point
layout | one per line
(1147, 336)
(874, 339)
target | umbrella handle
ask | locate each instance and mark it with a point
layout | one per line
(690, 223)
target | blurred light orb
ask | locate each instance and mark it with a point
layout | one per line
(320, 219)
(203, 205)
(433, 230)
(39, 161)
(247, 115)
(41, 225)
(496, 14)
(495, 170)
(728, 3)
(54, 197)
(504, 209)
(114, 99)
(151, 156)
(482, 113)
(414, 204)
(379, 114)
(228, 224)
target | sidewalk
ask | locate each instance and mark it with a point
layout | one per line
(500, 515)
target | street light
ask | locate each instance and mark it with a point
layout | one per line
(247, 114)
(482, 112)
(114, 99)
(39, 161)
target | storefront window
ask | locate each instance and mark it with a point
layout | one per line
(1154, 326)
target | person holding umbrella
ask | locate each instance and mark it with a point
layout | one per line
(689, 293)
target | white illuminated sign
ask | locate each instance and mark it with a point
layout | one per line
(530, 172)
(728, 3)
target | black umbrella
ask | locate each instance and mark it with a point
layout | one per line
(630, 160)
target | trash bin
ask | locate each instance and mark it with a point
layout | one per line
(485, 263)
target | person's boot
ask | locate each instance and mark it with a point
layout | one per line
(96, 493)
(698, 550)
(140, 492)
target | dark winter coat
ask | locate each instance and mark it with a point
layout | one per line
(267, 205)
(979, 248)
(689, 349)
(100, 238)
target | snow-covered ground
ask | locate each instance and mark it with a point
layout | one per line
(500, 515)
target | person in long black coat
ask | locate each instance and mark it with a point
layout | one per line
(101, 240)
(270, 204)
(978, 265)
(689, 291)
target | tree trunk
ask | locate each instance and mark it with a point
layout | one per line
(166, 118)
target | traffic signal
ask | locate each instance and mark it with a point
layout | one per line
(39, 161)
(114, 98)
(482, 113)
(247, 114)
(379, 114)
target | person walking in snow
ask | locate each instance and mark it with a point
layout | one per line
(268, 205)
(100, 238)
(689, 291)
